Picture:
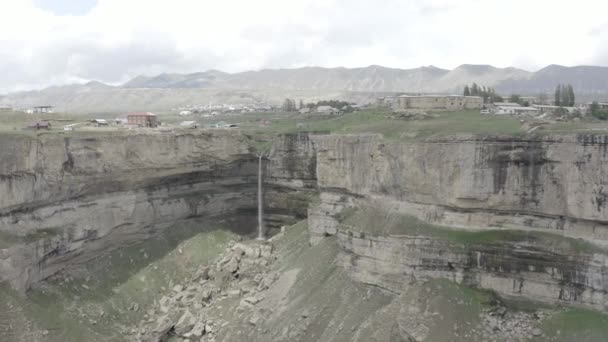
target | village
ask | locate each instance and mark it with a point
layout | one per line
(540, 109)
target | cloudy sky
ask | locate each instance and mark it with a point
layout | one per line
(47, 42)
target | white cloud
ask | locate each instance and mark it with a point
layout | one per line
(119, 39)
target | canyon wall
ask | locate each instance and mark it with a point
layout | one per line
(556, 184)
(545, 187)
(66, 199)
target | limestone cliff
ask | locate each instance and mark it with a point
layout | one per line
(537, 189)
(67, 199)
(556, 184)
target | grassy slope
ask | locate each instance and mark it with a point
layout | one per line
(72, 311)
(376, 221)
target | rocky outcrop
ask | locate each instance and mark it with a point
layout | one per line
(534, 267)
(68, 199)
(543, 187)
(290, 177)
(555, 184)
(243, 272)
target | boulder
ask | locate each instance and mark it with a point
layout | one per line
(185, 323)
(233, 265)
(197, 331)
(160, 330)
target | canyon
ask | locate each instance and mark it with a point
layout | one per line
(524, 216)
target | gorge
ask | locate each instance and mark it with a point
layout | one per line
(523, 216)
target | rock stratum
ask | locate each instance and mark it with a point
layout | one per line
(522, 216)
(525, 217)
(66, 200)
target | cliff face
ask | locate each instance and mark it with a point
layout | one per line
(554, 184)
(291, 177)
(543, 187)
(67, 199)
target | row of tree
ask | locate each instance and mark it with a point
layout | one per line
(487, 93)
(332, 103)
(564, 95)
(289, 105)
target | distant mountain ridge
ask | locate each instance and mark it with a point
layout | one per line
(170, 90)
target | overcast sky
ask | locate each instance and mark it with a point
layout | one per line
(47, 42)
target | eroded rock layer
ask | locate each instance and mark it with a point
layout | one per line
(66, 199)
(546, 187)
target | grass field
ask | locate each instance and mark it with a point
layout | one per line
(463, 122)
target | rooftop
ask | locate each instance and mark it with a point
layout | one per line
(532, 109)
(506, 104)
(141, 114)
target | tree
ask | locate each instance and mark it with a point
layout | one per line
(474, 89)
(301, 104)
(558, 95)
(289, 105)
(571, 96)
(515, 98)
(594, 108)
(467, 91)
(542, 98)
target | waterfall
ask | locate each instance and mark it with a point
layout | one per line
(260, 199)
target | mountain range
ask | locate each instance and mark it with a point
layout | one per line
(166, 91)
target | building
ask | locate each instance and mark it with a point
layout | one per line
(506, 104)
(6, 108)
(386, 102)
(516, 110)
(40, 125)
(142, 119)
(430, 102)
(188, 124)
(100, 122)
(327, 110)
(43, 109)
(553, 109)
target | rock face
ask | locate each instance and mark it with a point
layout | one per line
(532, 270)
(554, 184)
(291, 177)
(539, 185)
(67, 199)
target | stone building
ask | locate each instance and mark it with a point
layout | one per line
(429, 102)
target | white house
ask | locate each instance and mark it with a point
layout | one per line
(185, 113)
(189, 124)
(100, 122)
